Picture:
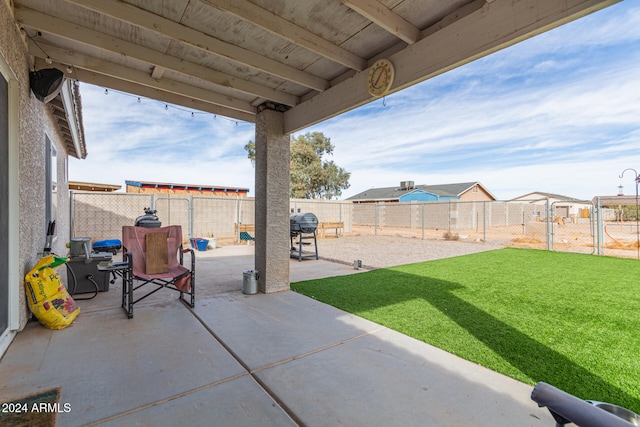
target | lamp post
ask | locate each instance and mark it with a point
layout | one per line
(637, 180)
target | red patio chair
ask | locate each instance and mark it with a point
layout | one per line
(150, 263)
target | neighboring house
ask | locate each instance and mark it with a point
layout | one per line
(36, 139)
(563, 206)
(618, 208)
(146, 187)
(615, 201)
(92, 186)
(408, 192)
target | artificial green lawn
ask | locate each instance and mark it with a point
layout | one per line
(570, 320)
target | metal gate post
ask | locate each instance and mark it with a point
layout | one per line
(190, 208)
(548, 212)
(600, 224)
(484, 222)
(422, 221)
(237, 236)
(375, 219)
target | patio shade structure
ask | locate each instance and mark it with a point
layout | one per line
(283, 65)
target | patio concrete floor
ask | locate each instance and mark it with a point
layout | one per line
(252, 360)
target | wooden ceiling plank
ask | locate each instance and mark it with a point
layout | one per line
(143, 19)
(139, 77)
(279, 26)
(95, 39)
(386, 18)
(463, 41)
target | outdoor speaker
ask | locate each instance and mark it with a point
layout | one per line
(46, 83)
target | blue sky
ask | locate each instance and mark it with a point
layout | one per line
(558, 113)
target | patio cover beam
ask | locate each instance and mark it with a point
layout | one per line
(139, 77)
(157, 94)
(496, 25)
(95, 39)
(386, 18)
(165, 27)
(268, 21)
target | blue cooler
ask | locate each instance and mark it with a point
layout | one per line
(109, 245)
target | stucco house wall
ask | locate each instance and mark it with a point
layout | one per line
(477, 193)
(35, 123)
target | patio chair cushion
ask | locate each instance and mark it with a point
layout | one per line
(134, 239)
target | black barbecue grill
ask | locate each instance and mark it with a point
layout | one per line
(303, 223)
(302, 226)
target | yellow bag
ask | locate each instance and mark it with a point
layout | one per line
(48, 298)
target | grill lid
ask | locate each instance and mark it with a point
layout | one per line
(303, 222)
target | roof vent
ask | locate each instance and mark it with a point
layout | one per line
(407, 185)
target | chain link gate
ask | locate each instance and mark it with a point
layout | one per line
(175, 211)
(102, 215)
(573, 232)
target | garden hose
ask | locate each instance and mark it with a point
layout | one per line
(89, 277)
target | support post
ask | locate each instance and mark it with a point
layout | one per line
(272, 181)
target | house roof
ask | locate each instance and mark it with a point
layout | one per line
(394, 193)
(616, 200)
(310, 59)
(92, 186)
(193, 187)
(543, 195)
(67, 111)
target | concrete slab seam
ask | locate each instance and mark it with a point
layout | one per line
(252, 373)
(318, 350)
(294, 418)
(274, 395)
(165, 400)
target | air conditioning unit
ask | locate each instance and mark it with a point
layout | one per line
(406, 185)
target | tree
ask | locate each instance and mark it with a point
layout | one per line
(311, 176)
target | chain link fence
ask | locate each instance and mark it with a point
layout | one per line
(576, 226)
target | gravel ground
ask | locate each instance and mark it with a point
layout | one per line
(387, 251)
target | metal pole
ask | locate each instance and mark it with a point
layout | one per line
(190, 216)
(548, 214)
(237, 236)
(375, 220)
(484, 222)
(422, 221)
(600, 225)
(169, 207)
(637, 180)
